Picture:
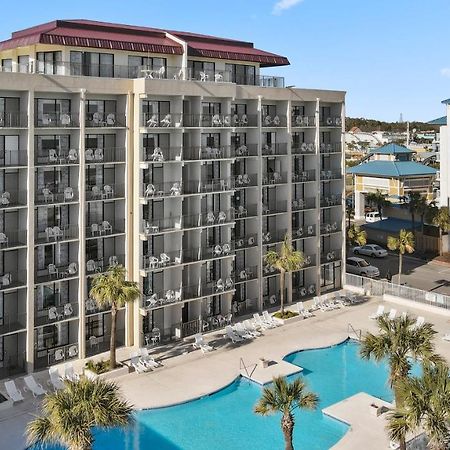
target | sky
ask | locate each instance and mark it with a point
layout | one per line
(390, 56)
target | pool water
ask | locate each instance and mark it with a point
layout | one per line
(225, 420)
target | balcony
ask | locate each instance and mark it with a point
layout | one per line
(246, 150)
(13, 158)
(245, 180)
(274, 149)
(243, 274)
(326, 175)
(105, 155)
(208, 153)
(48, 356)
(164, 189)
(106, 192)
(10, 239)
(57, 120)
(45, 196)
(332, 121)
(303, 148)
(299, 121)
(245, 242)
(13, 279)
(100, 344)
(13, 199)
(303, 203)
(245, 307)
(309, 261)
(304, 177)
(55, 157)
(331, 148)
(104, 228)
(301, 232)
(275, 208)
(247, 211)
(169, 120)
(52, 234)
(163, 154)
(276, 121)
(210, 186)
(274, 178)
(330, 200)
(95, 266)
(330, 256)
(328, 228)
(273, 236)
(10, 323)
(13, 119)
(55, 314)
(105, 120)
(55, 272)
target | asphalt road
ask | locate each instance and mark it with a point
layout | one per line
(416, 272)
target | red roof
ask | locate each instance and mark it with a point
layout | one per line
(109, 36)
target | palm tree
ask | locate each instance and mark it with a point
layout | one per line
(350, 213)
(414, 202)
(356, 236)
(286, 260)
(403, 243)
(397, 341)
(112, 290)
(442, 220)
(285, 397)
(426, 406)
(68, 415)
(378, 200)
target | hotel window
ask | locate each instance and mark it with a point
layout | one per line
(24, 63)
(60, 143)
(9, 111)
(9, 150)
(136, 63)
(49, 63)
(97, 111)
(196, 67)
(238, 109)
(95, 326)
(103, 141)
(241, 74)
(92, 64)
(51, 110)
(6, 65)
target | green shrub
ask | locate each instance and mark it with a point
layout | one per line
(98, 367)
(287, 314)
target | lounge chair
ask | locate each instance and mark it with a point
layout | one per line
(392, 314)
(242, 332)
(147, 359)
(303, 311)
(404, 315)
(69, 372)
(446, 337)
(13, 392)
(379, 312)
(138, 366)
(248, 325)
(235, 338)
(201, 344)
(55, 380)
(32, 385)
(269, 319)
(260, 322)
(419, 322)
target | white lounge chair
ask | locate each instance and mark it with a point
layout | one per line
(148, 360)
(248, 325)
(201, 344)
(303, 311)
(55, 380)
(235, 338)
(138, 366)
(262, 323)
(69, 372)
(241, 331)
(13, 392)
(392, 314)
(419, 322)
(379, 312)
(446, 337)
(269, 319)
(32, 385)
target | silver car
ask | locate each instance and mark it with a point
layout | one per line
(359, 266)
(371, 250)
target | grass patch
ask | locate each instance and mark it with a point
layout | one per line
(285, 315)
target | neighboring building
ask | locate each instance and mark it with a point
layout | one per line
(168, 152)
(444, 148)
(390, 169)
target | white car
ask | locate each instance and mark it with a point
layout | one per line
(359, 266)
(371, 250)
(374, 217)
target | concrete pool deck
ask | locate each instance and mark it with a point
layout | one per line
(188, 374)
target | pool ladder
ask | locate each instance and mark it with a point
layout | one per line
(357, 333)
(243, 366)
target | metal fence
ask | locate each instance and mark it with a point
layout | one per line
(380, 287)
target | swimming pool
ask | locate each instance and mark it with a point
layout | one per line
(225, 420)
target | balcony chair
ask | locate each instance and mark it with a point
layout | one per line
(177, 297)
(226, 249)
(106, 227)
(160, 72)
(307, 261)
(246, 179)
(52, 156)
(299, 232)
(331, 256)
(167, 121)
(220, 286)
(73, 351)
(110, 119)
(113, 261)
(273, 299)
(276, 121)
(108, 191)
(169, 296)
(95, 229)
(267, 121)
(310, 230)
(98, 154)
(149, 190)
(68, 310)
(204, 76)
(217, 250)
(251, 241)
(152, 301)
(304, 147)
(53, 271)
(215, 121)
(72, 269)
(295, 204)
(334, 226)
(210, 218)
(48, 196)
(65, 120)
(91, 266)
(239, 180)
(177, 260)
(265, 209)
(241, 211)
(243, 274)
(72, 156)
(57, 232)
(46, 120)
(89, 154)
(165, 259)
(90, 305)
(5, 198)
(267, 237)
(218, 77)
(3, 239)
(53, 313)
(68, 194)
(276, 178)
(93, 341)
(179, 75)
(157, 155)
(97, 119)
(175, 189)
(221, 217)
(228, 283)
(244, 120)
(242, 150)
(153, 121)
(235, 120)
(299, 121)
(6, 279)
(58, 355)
(227, 121)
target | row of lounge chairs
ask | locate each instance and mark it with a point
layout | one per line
(250, 329)
(141, 361)
(393, 314)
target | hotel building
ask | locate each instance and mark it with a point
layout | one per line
(170, 153)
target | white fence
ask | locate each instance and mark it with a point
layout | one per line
(380, 287)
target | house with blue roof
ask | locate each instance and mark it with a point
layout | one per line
(444, 198)
(391, 170)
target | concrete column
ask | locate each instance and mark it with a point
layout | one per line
(289, 193)
(259, 206)
(317, 183)
(359, 205)
(343, 223)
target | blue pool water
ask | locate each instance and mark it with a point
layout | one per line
(225, 420)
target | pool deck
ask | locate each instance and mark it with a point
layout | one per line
(189, 374)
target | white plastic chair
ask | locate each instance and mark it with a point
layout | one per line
(57, 232)
(13, 392)
(89, 154)
(96, 192)
(98, 154)
(153, 121)
(3, 239)
(111, 119)
(167, 121)
(106, 227)
(55, 380)
(68, 310)
(32, 385)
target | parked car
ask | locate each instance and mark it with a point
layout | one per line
(370, 250)
(374, 216)
(360, 266)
